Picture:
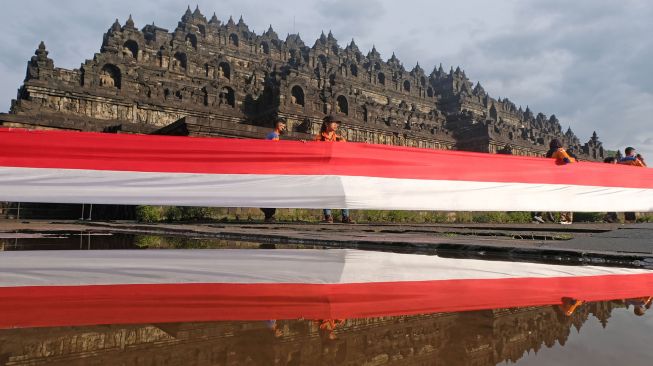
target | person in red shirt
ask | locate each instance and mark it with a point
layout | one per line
(329, 133)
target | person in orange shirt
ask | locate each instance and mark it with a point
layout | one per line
(329, 133)
(328, 327)
(640, 304)
(329, 130)
(556, 151)
(632, 159)
(569, 305)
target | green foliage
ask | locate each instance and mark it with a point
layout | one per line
(185, 242)
(396, 216)
(181, 214)
(589, 216)
(645, 218)
(149, 213)
(173, 213)
(172, 242)
(610, 152)
(493, 217)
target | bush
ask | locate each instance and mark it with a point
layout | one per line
(181, 213)
(645, 218)
(184, 213)
(492, 217)
(589, 216)
(149, 213)
(173, 242)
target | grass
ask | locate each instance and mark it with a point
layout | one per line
(152, 214)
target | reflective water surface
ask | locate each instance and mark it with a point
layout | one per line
(71, 240)
(602, 333)
(594, 333)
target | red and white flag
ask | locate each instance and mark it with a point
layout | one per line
(81, 167)
(57, 288)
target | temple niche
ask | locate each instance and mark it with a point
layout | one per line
(297, 96)
(224, 71)
(110, 76)
(225, 76)
(179, 62)
(130, 49)
(227, 97)
(342, 106)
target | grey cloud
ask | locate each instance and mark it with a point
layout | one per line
(579, 60)
(350, 19)
(588, 62)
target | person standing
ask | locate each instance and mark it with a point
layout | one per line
(279, 129)
(274, 135)
(556, 151)
(610, 217)
(329, 133)
(631, 159)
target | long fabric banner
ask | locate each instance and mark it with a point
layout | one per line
(81, 167)
(66, 288)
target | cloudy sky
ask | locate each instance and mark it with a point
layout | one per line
(586, 61)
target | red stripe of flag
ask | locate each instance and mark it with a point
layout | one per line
(155, 303)
(146, 153)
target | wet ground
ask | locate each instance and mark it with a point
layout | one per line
(606, 244)
(594, 333)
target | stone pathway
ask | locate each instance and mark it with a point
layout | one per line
(601, 243)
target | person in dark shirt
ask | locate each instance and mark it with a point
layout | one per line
(610, 217)
(274, 135)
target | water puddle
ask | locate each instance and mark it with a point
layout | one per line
(597, 333)
(89, 240)
(98, 298)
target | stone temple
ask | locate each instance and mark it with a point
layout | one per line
(208, 78)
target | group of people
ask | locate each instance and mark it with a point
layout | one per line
(562, 156)
(640, 304)
(328, 133)
(631, 158)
